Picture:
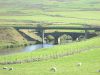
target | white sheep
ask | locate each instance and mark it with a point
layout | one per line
(98, 70)
(53, 69)
(79, 64)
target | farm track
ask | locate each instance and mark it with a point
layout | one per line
(48, 57)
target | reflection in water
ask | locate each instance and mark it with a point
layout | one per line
(30, 48)
(35, 47)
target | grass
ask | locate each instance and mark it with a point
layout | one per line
(67, 65)
(53, 5)
(51, 12)
(55, 11)
(47, 52)
(9, 36)
(76, 17)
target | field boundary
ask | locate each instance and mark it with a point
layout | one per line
(47, 57)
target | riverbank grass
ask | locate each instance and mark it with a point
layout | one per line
(10, 38)
(66, 65)
(53, 51)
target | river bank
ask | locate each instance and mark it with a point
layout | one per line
(10, 38)
(25, 48)
(15, 45)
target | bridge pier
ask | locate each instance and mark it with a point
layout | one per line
(86, 34)
(57, 40)
(43, 32)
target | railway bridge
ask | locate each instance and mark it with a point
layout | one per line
(41, 31)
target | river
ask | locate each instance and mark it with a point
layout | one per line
(30, 48)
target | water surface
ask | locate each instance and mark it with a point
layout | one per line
(29, 48)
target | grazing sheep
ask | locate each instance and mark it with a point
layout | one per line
(98, 70)
(79, 64)
(53, 69)
(10, 69)
(5, 68)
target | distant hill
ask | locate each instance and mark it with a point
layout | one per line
(50, 5)
(49, 11)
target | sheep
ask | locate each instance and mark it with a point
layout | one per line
(10, 69)
(79, 64)
(5, 68)
(53, 69)
(98, 70)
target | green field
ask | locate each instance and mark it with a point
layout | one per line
(48, 53)
(66, 65)
(50, 13)
(57, 18)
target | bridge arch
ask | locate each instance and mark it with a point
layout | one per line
(65, 38)
(80, 38)
(49, 39)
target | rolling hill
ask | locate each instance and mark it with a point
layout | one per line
(9, 36)
(90, 60)
(63, 57)
(50, 4)
(50, 11)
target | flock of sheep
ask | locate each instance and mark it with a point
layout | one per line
(52, 69)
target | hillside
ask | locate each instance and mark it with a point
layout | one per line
(66, 65)
(9, 36)
(50, 12)
(50, 4)
(64, 57)
(53, 52)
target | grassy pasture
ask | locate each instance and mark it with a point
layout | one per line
(68, 17)
(46, 52)
(52, 13)
(67, 65)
